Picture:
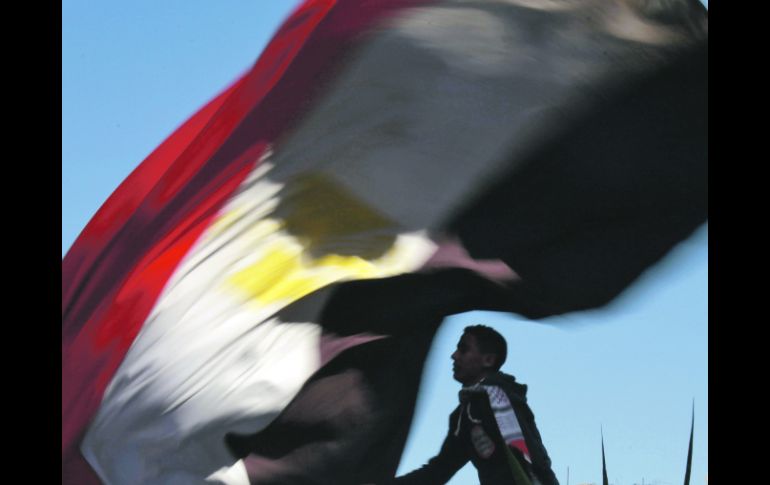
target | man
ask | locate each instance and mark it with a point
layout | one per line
(493, 426)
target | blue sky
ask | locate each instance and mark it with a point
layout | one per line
(133, 71)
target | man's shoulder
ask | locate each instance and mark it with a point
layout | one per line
(501, 379)
(453, 416)
(507, 383)
(455, 412)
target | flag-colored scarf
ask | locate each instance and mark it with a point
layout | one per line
(505, 416)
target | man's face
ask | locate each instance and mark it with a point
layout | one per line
(470, 364)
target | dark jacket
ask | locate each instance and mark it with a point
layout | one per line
(474, 435)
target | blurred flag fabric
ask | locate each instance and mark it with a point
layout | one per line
(255, 302)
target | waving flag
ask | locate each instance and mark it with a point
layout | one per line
(254, 303)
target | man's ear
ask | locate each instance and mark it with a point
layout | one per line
(488, 360)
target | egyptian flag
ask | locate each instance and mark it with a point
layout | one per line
(254, 303)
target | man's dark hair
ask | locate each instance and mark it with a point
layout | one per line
(490, 342)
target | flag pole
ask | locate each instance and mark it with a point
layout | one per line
(604, 465)
(689, 450)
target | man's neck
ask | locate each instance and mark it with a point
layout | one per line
(479, 381)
